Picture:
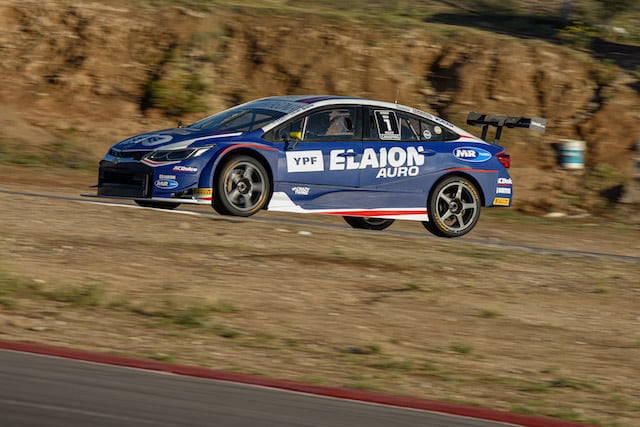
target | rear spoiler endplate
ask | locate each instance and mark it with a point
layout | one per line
(537, 124)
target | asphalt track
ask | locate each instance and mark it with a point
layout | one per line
(44, 386)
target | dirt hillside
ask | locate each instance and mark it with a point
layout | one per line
(77, 76)
(311, 299)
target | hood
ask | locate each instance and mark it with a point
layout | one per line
(172, 139)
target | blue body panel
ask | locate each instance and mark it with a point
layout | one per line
(390, 177)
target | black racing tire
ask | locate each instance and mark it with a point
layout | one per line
(454, 207)
(368, 223)
(157, 205)
(242, 188)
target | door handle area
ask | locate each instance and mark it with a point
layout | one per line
(347, 154)
(428, 152)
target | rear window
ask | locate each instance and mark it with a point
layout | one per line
(388, 125)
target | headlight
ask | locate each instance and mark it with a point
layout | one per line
(177, 155)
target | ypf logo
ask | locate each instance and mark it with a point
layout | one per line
(305, 161)
(471, 154)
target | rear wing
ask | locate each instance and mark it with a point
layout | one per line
(477, 119)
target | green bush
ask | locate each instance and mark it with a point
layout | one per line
(177, 91)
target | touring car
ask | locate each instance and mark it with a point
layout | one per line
(369, 161)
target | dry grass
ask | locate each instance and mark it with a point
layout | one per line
(508, 328)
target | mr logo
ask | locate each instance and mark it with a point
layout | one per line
(471, 154)
(305, 161)
(466, 154)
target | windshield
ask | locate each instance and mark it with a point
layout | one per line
(240, 119)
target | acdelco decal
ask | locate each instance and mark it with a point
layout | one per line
(471, 154)
(189, 169)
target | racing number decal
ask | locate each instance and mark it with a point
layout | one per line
(388, 128)
(386, 120)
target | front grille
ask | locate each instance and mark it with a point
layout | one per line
(136, 155)
(124, 180)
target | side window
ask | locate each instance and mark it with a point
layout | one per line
(336, 124)
(385, 125)
(409, 128)
(291, 130)
(430, 131)
(390, 125)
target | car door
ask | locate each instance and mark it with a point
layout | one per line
(400, 150)
(322, 148)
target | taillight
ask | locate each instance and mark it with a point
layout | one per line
(504, 159)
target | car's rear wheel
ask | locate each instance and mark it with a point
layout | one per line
(157, 205)
(368, 223)
(454, 207)
(242, 188)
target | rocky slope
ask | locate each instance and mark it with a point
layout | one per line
(77, 76)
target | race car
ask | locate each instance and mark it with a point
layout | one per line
(369, 161)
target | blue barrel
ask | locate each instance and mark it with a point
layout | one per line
(571, 153)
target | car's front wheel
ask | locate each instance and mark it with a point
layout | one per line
(242, 188)
(368, 223)
(157, 205)
(454, 207)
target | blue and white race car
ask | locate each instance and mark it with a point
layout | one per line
(368, 161)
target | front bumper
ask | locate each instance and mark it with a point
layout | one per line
(137, 181)
(130, 180)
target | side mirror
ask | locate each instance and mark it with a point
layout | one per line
(292, 137)
(296, 137)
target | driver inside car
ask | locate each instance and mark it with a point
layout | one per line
(339, 123)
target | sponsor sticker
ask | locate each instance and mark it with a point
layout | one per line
(301, 191)
(441, 121)
(203, 192)
(504, 181)
(501, 201)
(471, 154)
(166, 184)
(383, 158)
(391, 162)
(305, 161)
(189, 169)
(503, 190)
(538, 124)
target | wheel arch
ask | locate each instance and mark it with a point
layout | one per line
(242, 151)
(464, 175)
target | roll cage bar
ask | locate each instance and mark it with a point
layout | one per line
(478, 119)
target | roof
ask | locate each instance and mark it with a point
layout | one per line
(295, 104)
